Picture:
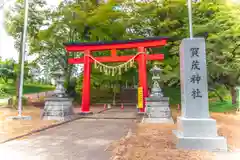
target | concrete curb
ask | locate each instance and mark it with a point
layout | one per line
(47, 127)
(116, 118)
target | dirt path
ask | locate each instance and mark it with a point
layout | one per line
(156, 142)
(10, 129)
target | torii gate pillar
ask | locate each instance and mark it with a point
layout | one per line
(142, 75)
(86, 83)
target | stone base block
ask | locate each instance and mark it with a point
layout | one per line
(158, 120)
(199, 134)
(196, 127)
(212, 144)
(85, 113)
(56, 108)
(19, 118)
(141, 113)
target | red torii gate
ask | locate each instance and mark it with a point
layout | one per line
(88, 47)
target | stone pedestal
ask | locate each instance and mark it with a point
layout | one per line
(196, 130)
(158, 110)
(198, 134)
(57, 108)
(19, 118)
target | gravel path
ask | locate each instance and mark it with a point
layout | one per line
(84, 139)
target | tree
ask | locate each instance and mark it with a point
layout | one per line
(224, 49)
(161, 18)
(14, 24)
(77, 21)
(7, 70)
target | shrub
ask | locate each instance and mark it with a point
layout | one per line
(78, 98)
(3, 92)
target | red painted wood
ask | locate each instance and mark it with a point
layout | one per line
(142, 70)
(86, 84)
(114, 53)
(152, 43)
(116, 59)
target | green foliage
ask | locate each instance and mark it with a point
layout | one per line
(224, 47)
(36, 19)
(88, 21)
(7, 70)
(79, 22)
(219, 106)
(3, 92)
(9, 89)
(173, 93)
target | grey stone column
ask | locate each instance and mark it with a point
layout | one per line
(195, 129)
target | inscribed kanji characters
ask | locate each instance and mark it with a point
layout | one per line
(196, 93)
(195, 52)
(195, 65)
(195, 78)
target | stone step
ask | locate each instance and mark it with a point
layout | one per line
(158, 120)
(126, 105)
(126, 101)
(117, 104)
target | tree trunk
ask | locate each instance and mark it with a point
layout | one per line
(114, 98)
(68, 73)
(219, 96)
(233, 95)
(114, 94)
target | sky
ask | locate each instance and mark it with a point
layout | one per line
(7, 49)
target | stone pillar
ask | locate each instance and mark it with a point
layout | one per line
(195, 129)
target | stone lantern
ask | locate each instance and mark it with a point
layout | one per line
(156, 90)
(59, 106)
(59, 79)
(157, 106)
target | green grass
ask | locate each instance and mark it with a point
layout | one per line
(34, 88)
(27, 89)
(219, 106)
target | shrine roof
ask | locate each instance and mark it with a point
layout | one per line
(149, 39)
